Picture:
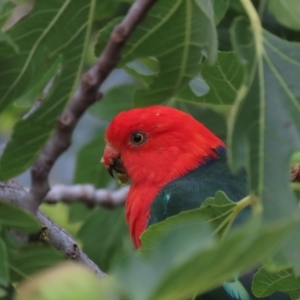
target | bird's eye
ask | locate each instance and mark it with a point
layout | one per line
(137, 138)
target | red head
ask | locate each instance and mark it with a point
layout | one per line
(153, 146)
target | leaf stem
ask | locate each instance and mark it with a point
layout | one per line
(255, 25)
(230, 219)
(238, 208)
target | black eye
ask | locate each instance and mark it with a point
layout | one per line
(137, 138)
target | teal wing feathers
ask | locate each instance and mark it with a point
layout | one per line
(190, 190)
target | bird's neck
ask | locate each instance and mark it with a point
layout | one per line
(146, 187)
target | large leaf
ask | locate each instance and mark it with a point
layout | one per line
(264, 125)
(223, 79)
(265, 283)
(39, 49)
(191, 261)
(194, 32)
(103, 235)
(187, 27)
(287, 12)
(15, 217)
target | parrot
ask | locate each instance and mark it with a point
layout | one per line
(174, 163)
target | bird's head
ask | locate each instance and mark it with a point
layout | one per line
(156, 144)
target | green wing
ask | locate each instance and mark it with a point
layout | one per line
(190, 191)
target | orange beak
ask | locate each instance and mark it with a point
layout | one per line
(112, 161)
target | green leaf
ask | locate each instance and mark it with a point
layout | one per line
(161, 22)
(191, 261)
(220, 8)
(89, 170)
(265, 283)
(144, 70)
(15, 217)
(4, 274)
(187, 27)
(39, 50)
(180, 63)
(107, 226)
(223, 79)
(286, 12)
(264, 124)
(30, 259)
(114, 101)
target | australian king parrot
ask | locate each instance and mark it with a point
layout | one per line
(174, 163)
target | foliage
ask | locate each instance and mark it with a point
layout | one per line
(223, 61)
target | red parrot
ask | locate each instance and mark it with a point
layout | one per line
(174, 163)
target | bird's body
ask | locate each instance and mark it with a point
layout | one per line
(174, 163)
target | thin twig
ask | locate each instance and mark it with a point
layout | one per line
(86, 96)
(11, 191)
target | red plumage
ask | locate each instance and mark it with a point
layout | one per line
(175, 143)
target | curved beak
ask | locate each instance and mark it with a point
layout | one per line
(112, 161)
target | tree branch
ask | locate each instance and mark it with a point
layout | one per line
(87, 194)
(11, 191)
(86, 96)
